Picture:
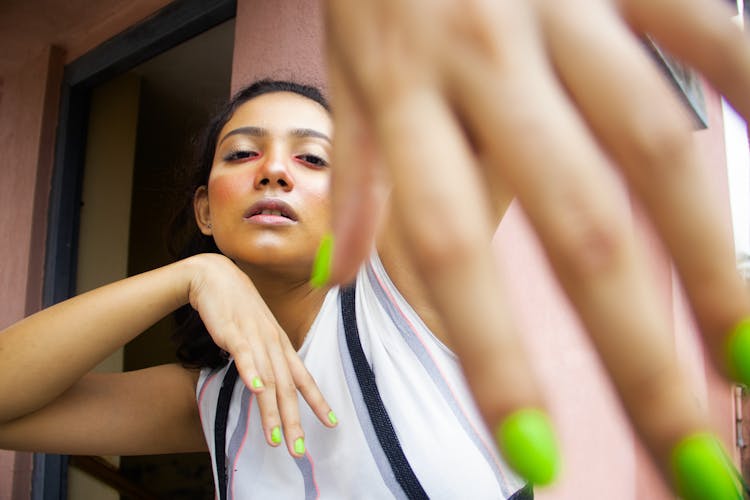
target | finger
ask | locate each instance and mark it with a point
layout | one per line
(247, 367)
(356, 188)
(432, 181)
(562, 180)
(309, 389)
(286, 399)
(702, 34)
(636, 115)
(263, 385)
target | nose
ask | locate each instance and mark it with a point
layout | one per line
(274, 172)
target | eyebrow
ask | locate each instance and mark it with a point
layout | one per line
(262, 132)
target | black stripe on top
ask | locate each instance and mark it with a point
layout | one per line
(381, 422)
(220, 427)
(525, 493)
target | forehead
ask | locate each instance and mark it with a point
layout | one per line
(280, 111)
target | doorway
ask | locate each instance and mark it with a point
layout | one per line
(125, 129)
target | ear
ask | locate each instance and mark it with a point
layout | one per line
(202, 211)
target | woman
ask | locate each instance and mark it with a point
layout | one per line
(404, 423)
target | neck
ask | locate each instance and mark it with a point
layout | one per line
(291, 299)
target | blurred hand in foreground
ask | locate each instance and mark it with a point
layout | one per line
(463, 105)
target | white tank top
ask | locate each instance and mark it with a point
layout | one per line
(421, 386)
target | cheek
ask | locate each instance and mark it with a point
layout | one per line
(319, 196)
(223, 189)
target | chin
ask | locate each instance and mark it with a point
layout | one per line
(274, 251)
(269, 257)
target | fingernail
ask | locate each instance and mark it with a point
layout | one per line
(276, 435)
(321, 270)
(299, 446)
(257, 383)
(528, 443)
(701, 469)
(332, 418)
(738, 351)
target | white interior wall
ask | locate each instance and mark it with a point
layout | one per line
(105, 220)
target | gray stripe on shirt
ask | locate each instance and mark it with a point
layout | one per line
(433, 371)
(305, 467)
(238, 435)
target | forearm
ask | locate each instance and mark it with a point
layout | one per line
(44, 354)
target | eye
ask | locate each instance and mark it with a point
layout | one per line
(240, 155)
(314, 160)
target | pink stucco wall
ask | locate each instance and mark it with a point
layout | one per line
(29, 101)
(25, 126)
(279, 39)
(21, 129)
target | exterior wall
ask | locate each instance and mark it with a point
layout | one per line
(280, 39)
(27, 120)
(29, 101)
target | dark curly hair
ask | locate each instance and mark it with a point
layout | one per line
(195, 347)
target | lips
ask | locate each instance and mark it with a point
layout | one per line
(268, 209)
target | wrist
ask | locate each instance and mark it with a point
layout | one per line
(196, 270)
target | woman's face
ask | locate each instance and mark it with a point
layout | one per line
(267, 201)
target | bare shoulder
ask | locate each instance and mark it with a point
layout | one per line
(153, 410)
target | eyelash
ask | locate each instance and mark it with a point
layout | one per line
(240, 155)
(313, 160)
(309, 159)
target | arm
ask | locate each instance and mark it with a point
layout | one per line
(553, 103)
(44, 357)
(142, 412)
(51, 350)
(50, 404)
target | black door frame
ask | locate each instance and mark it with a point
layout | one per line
(170, 26)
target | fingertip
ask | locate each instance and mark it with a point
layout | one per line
(701, 469)
(321, 270)
(299, 447)
(328, 269)
(527, 441)
(332, 419)
(256, 384)
(276, 436)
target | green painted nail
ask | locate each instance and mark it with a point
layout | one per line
(257, 383)
(321, 270)
(299, 446)
(332, 418)
(701, 469)
(528, 443)
(276, 435)
(738, 352)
